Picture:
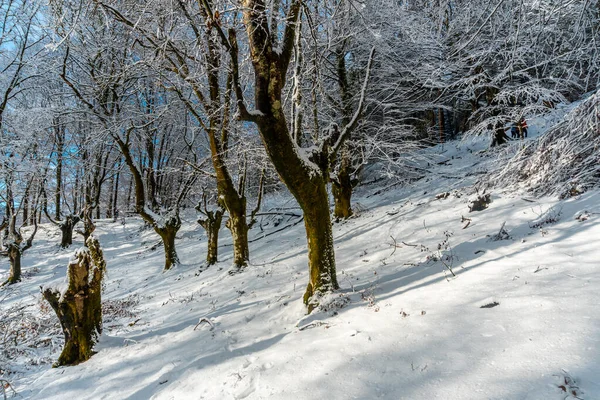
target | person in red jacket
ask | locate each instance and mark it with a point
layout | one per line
(523, 128)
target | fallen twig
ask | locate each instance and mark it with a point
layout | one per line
(463, 219)
(212, 326)
(313, 324)
(396, 245)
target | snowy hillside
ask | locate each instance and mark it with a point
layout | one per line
(436, 302)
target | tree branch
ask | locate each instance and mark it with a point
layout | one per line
(347, 130)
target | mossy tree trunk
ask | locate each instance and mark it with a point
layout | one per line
(212, 230)
(321, 256)
(79, 309)
(213, 227)
(305, 180)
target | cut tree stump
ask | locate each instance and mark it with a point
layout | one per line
(79, 308)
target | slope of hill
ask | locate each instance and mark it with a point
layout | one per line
(436, 302)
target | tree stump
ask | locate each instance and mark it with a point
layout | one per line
(79, 309)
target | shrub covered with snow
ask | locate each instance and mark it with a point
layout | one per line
(565, 160)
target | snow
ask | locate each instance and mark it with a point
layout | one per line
(256, 113)
(401, 327)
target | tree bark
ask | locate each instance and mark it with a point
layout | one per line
(79, 309)
(321, 257)
(114, 204)
(66, 228)
(238, 226)
(500, 136)
(60, 144)
(14, 255)
(212, 225)
(341, 189)
(309, 188)
(26, 206)
(167, 234)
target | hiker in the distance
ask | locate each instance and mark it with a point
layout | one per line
(514, 130)
(523, 127)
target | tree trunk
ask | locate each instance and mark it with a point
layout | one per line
(321, 257)
(111, 194)
(115, 211)
(79, 309)
(212, 225)
(76, 192)
(129, 190)
(88, 225)
(168, 234)
(309, 188)
(66, 229)
(238, 226)
(60, 144)
(341, 189)
(26, 207)
(14, 255)
(500, 136)
(441, 124)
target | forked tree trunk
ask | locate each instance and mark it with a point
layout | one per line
(167, 234)
(167, 229)
(14, 255)
(66, 229)
(16, 248)
(212, 225)
(238, 226)
(79, 309)
(306, 180)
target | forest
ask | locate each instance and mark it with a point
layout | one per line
(298, 199)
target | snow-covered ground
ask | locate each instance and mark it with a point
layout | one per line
(431, 306)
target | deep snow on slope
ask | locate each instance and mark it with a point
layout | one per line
(431, 306)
